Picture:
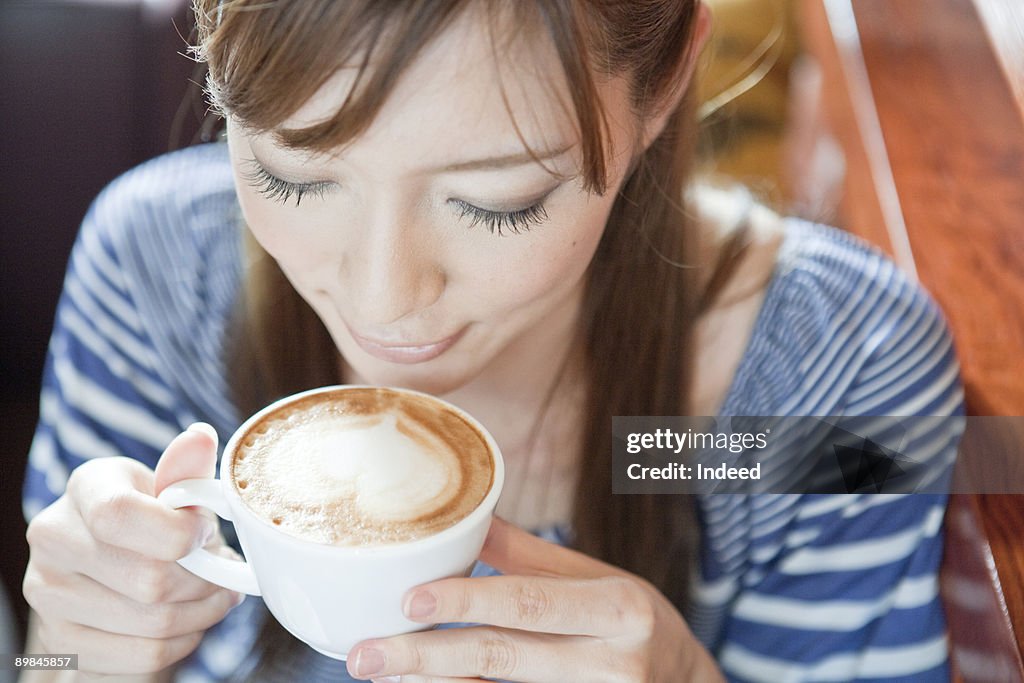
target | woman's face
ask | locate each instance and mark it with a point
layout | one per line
(433, 246)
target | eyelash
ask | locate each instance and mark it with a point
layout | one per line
(496, 222)
(500, 222)
(275, 189)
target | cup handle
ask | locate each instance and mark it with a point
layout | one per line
(235, 575)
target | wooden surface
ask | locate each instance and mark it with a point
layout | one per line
(926, 100)
(955, 141)
(978, 617)
(1004, 23)
(1003, 526)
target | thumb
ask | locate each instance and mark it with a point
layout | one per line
(191, 455)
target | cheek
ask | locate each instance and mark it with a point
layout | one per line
(550, 261)
(293, 238)
(290, 237)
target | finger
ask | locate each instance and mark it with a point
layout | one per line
(111, 653)
(117, 505)
(606, 606)
(64, 546)
(512, 550)
(78, 597)
(479, 651)
(412, 678)
(140, 579)
(192, 455)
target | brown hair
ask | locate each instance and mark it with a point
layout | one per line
(641, 302)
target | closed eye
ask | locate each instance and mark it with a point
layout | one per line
(497, 222)
(502, 222)
(278, 190)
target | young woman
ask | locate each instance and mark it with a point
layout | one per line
(490, 202)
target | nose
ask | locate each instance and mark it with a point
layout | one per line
(391, 269)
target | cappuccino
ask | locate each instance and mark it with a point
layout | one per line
(362, 466)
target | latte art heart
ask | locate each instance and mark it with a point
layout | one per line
(358, 468)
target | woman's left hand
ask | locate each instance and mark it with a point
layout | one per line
(556, 616)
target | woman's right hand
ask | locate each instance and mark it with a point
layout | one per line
(102, 573)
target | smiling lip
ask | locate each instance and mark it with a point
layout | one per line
(406, 353)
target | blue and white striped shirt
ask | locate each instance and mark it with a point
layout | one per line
(789, 587)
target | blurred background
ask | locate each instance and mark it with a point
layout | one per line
(900, 121)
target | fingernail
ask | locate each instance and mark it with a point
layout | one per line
(239, 599)
(203, 428)
(420, 605)
(369, 661)
(388, 679)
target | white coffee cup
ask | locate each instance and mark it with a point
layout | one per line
(330, 596)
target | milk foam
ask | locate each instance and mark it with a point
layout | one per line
(386, 474)
(363, 466)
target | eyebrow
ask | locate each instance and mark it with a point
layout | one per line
(505, 160)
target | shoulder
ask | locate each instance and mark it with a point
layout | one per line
(841, 291)
(842, 326)
(793, 258)
(195, 173)
(169, 232)
(172, 226)
(166, 201)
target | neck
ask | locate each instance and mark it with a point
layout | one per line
(532, 399)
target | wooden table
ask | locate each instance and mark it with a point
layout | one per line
(925, 100)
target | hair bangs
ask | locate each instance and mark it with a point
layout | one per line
(266, 59)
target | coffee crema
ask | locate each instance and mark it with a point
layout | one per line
(362, 467)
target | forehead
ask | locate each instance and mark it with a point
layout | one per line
(483, 86)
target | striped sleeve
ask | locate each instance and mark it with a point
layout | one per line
(848, 590)
(104, 392)
(137, 349)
